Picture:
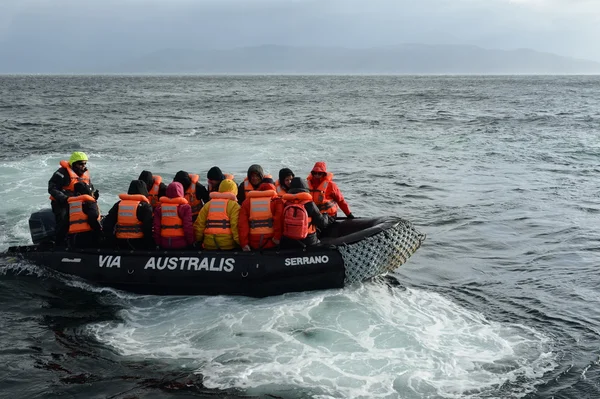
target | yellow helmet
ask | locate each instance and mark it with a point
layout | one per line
(77, 156)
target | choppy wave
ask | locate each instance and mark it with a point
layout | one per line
(500, 172)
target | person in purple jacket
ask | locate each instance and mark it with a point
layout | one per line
(173, 227)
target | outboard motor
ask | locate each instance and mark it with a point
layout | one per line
(42, 226)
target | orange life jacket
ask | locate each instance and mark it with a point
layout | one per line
(322, 196)
(217, 220)
(190, 196)
(289, 224)
(260, 217)
(128, 225)
(171, 224)
(248, 186)
(280, 190)
(153, 192)
(78, 221)
(70, 188)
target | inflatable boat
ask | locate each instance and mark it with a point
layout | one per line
(352, 250)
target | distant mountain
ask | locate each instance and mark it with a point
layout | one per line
(402, 59)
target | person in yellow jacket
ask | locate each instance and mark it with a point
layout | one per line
(217, 224)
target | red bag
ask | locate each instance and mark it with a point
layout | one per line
(295, 222)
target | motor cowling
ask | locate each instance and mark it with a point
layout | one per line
(42, 226)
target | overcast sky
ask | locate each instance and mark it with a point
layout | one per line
(67, 29)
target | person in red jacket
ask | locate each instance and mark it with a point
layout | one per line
(260, 224)
(326, 193)
(173, 220)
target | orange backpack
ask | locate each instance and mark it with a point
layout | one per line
(295, 221)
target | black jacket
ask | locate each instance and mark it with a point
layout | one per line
(60, 179)
(185, 180)
(147, 177)
(93, 212)
(143, 214)
(88, 239)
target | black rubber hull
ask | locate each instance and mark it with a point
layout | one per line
(196, 273)
(351, 251)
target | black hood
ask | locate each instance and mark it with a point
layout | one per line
(256, 169)
(283, 173)
(215, 173)
(138, 187)
(298, 185)
(146, 177)
(82, 189)
(183, 177)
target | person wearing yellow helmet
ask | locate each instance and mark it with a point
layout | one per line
(61, 186)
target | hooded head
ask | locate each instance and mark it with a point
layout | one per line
(264, 186)
(82, 189)
(285, 172)
(78, 156)
(320, 167)
(298, 185)
(257, 171)
(183, 177)
(174, 190)
(137, 187)
(146, 177)
(228, 186)
(215, 173)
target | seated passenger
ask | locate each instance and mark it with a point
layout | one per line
(128, 224)
(84, 219)
(154, 185)
(217, 223)
(326, 193)
(173, 227)
(253, 180)
(194, 192)
(214, 177)
(283, 183)
(260, 222)
(301, 217)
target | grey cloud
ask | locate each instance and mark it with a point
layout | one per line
(92, 31)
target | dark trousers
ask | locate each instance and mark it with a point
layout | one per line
(61, 214)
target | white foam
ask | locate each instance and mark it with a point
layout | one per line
(357, 342)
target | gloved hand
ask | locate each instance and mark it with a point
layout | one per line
(96, 194)
(350, 216)
(246, 248)
(63, 199)
(275, 241)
